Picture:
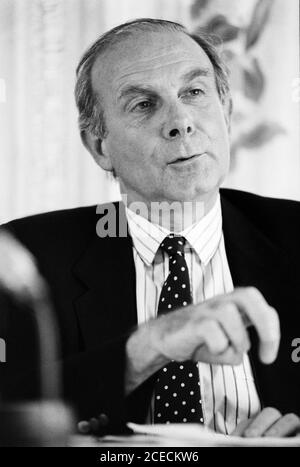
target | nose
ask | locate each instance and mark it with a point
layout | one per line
(178, 124)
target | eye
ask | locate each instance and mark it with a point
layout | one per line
(143, 105)
(196, 92)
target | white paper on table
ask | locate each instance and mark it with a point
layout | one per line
(201, 436)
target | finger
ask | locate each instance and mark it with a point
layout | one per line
(262, 422)
(84, 427)
(94, 424)
(230, 319)
(264, 318)
(285, 426)
(212, 336)
(241, 427)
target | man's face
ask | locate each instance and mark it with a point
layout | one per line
(167, 138)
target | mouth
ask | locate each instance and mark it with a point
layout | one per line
(186, 160)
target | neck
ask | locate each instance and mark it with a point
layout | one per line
(174, 216)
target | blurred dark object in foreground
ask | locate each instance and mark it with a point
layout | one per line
(23, 291)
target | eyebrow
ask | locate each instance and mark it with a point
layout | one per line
(133, 89)
(196, 73)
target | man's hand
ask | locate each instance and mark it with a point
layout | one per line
(214, 331)
(269, 422)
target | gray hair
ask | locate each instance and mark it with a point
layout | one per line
(91, 112)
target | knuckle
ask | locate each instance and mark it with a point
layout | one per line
(228, 312)
(214, 304)
(231, 317)
(215, 339)
(208, 328)
(228, 307)
(254, 293)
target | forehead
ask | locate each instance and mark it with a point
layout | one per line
(146, 58)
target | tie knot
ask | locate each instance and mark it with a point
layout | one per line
(173, 245)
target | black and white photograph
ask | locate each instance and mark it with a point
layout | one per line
(149, 226)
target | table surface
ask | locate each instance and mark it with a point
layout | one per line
(177, 435)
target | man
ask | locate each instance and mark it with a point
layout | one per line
(193, 294)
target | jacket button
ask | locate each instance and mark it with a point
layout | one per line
(103, 419)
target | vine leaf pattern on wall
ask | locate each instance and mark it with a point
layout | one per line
(258, 22)
(198, 7)
(257, 136)
(239, 39)
(220, 27)
(254, 80)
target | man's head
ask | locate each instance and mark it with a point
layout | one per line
(153, 108)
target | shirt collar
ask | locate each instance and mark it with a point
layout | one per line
(203, 236)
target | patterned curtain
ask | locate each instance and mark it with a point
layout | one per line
(43, 165)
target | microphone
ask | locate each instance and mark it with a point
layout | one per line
(31, 423)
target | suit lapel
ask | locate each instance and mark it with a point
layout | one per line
(255, 261)
(107, 308)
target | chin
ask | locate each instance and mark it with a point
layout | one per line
(183, 196)
(198, 192)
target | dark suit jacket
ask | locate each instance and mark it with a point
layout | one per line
(92, 281)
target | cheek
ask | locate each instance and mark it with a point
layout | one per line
(126, 153)
(130, 146)
(219, 135)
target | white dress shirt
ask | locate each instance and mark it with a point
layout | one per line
(228, 392)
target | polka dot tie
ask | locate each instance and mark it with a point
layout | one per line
(177, 389)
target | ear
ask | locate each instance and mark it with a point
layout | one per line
(97, 148)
